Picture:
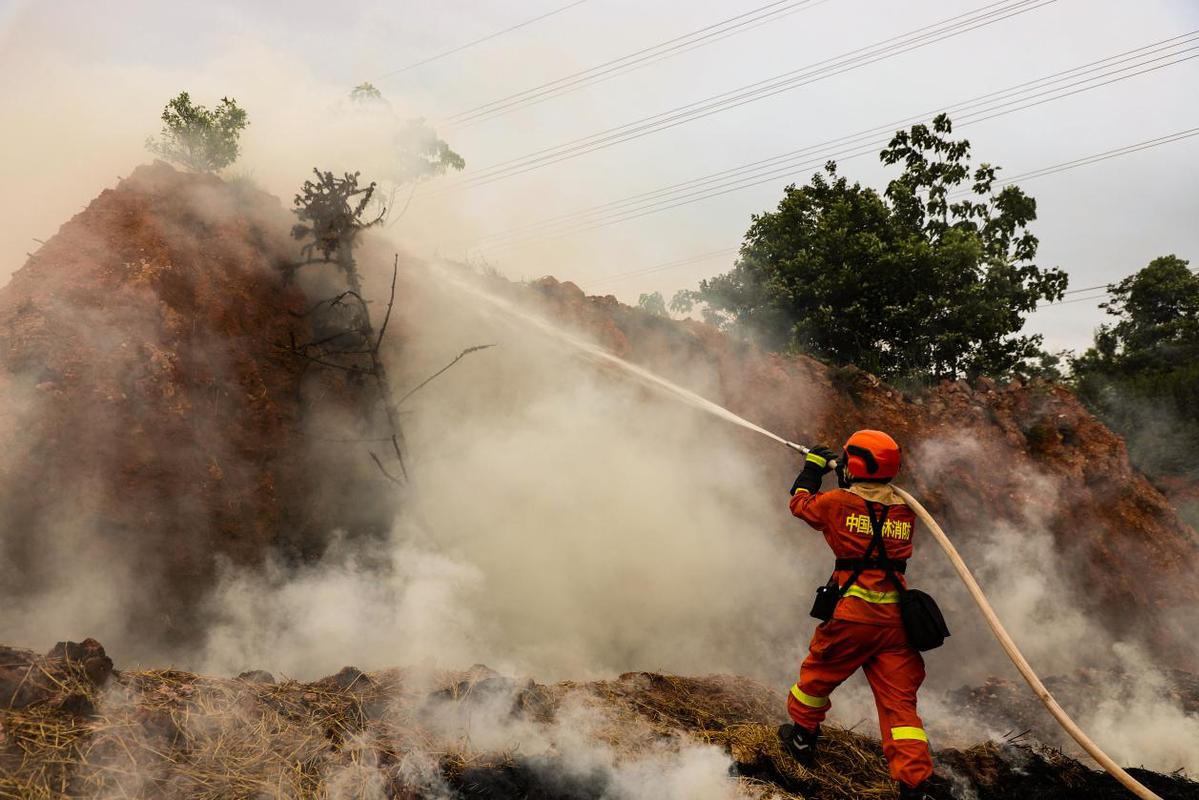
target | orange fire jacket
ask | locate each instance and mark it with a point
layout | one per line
(841, 516)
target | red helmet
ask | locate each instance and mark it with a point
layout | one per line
(871, 456)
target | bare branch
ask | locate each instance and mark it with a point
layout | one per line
(333, 301)
(330, 338)
(404, 210)
(322, 362)
(395, 270)
(438, 373)
(383, 469)
(395, 444)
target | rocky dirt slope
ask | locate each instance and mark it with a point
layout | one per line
(72, 726)
(151, 422)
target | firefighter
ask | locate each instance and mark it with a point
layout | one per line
(865, 629)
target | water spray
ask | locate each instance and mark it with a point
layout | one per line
(689, 397)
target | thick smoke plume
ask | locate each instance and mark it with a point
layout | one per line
(564, 521)
(560, 522)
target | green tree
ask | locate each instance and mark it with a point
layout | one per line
(366, 93)
(654, 303)
(198, 138)
(933, 278)
(418, 154)
(1141, 377)
(1157, 327)
(332, 214)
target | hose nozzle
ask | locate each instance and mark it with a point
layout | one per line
(832, 464)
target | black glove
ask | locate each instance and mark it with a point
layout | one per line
(815, 467)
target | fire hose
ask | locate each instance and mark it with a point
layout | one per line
(1013, 652)
(1001, 634)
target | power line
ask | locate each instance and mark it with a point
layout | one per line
(1085, 161)
(699, 109)
(487, 38)
(1106, 293)
(741, 23)
(622, 276)
(791, 158)
(896, 45)
(1049, 170)
(864, 143)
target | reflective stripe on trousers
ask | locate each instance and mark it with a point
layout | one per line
(809, 700)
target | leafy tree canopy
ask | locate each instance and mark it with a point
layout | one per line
(1157, 322)
(366, 92)
(198, 138)
(933, 278)
(1141, 377)
(421, 155)
(332, 214)
(416, 152)
(654, 303)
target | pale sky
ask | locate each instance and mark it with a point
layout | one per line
(83, 82)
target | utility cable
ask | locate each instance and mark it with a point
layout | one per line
(1086, 161)
(1024, 176)
(852, 147)
(487, 38)
(622, 276)
(871, 136)
(918, 38)
(930, 34)
(763, 15)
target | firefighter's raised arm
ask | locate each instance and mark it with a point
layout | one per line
(806, 500)
(815, 467)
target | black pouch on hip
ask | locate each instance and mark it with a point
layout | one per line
(825, 603)
(922, 619)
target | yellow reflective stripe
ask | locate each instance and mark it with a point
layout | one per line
(811, 701)
(903, 732)
(819, 461)
(797, 491)
(871, 596)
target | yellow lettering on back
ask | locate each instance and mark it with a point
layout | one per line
(892, 529)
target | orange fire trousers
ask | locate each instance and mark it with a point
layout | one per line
(895, 671)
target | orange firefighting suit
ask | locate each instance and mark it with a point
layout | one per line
(866, 630)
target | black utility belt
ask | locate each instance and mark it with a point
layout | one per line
(860, 564)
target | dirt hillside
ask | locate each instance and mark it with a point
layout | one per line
(152, 422)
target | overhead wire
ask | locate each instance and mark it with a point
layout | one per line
(856, 145)
(1024, 176)
(854, 59)
(710, 34)
(487, 38)
(896, 45)
(696, 259)
(789, 158)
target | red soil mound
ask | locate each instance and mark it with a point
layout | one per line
(152, 420)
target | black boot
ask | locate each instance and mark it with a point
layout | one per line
(934, 788)
(800, 743)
